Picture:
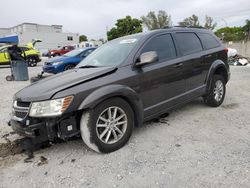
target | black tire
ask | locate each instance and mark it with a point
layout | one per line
(210, 98)
(32, 61)
(9, 78)
(89, 129)
(68, 67)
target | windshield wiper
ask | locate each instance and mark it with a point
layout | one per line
(88, 66)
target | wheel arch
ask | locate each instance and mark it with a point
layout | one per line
(218, 67)
(65, 64)
(107, 92)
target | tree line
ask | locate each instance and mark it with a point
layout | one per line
(235, 33)
(152, 21)
(157, 20)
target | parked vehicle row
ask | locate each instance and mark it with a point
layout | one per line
(61, 51)
(66, 61)
(122, 84)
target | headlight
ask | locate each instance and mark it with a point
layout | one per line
(49, 108)
(52, 52)
(58, 63)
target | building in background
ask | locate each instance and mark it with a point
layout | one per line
(52, 36)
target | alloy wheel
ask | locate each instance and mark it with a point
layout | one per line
(218, 90)
(111, 125)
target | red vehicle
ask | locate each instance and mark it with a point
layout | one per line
(60, 51)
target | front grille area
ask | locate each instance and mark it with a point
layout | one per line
(20, 109)
(21, 115)
(23, 104)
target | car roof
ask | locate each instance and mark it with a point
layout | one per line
(168, 29)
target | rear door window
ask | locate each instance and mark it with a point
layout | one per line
(208, 41)
(163, 45)
(188, 43)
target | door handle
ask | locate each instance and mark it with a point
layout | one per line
(178, 65)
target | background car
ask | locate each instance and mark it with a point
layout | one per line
(67, 61)
(32, 55)
(61, 51)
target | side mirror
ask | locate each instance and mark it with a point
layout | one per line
(147, 58)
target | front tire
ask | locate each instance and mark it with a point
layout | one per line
(108, 126)
(216, 93)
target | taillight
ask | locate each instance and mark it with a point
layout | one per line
(226, 50)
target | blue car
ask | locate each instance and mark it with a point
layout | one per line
(67, 61)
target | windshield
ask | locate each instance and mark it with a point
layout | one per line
(112, 53)
(74, 53)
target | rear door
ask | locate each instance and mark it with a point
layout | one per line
(210, 54)
(161, 83)
(191, 50)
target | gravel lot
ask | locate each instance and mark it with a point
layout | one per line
(195, 146)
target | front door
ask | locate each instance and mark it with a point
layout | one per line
(161, 83)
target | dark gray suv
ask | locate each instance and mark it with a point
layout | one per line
(122, 84)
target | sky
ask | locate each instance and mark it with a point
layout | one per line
(94, 17)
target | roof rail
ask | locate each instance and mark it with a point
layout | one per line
(198, 27)
(190, 26)
(167, 27)
(179, 26)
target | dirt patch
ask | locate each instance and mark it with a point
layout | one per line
(10, 148)
(8, 134)
(230, 106)
(9, 161)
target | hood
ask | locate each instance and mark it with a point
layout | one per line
(57, 59)
(47, 87)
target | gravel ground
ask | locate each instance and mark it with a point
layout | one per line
(195, 146)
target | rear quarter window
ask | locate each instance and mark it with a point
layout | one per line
(208, 40)
(188, 43)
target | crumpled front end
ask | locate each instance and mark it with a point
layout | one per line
(42, 130)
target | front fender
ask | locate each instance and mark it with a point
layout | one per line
(106, 92)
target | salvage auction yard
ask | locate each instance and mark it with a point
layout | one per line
(194, 146)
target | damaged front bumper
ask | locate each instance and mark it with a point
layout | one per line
(46, 129)
(43, 129)
(37, 132)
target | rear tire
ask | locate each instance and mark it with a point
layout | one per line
(32, 61)
(216, 93)
(101, 128)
